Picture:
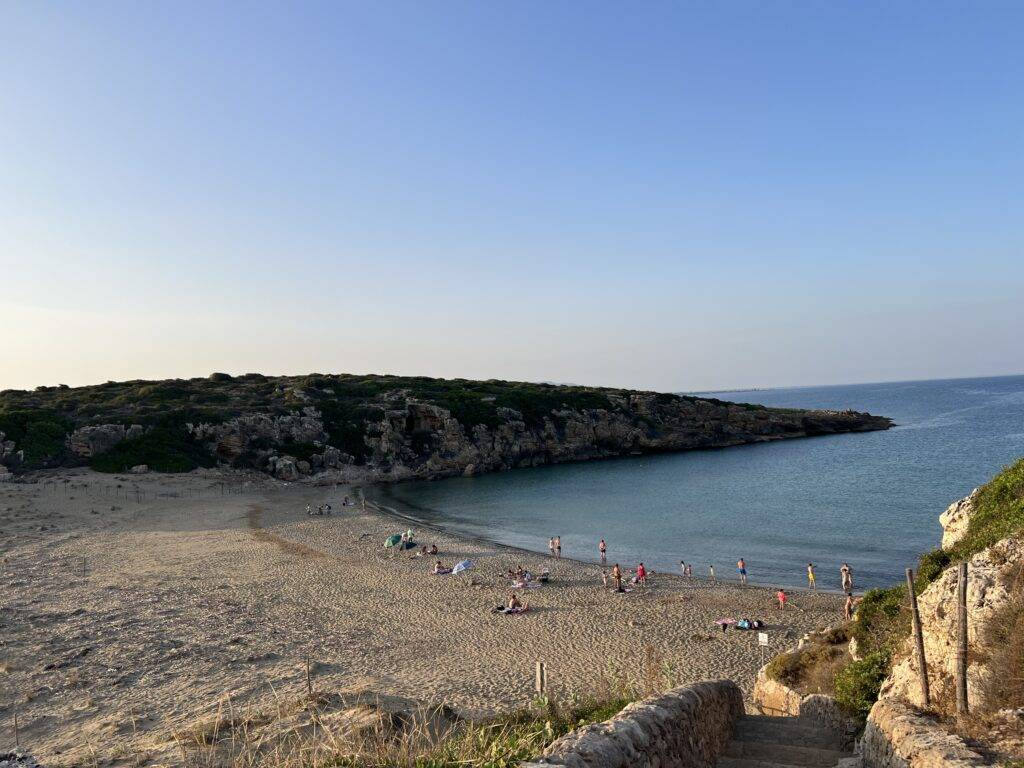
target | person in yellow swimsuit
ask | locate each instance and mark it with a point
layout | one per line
(811, 582)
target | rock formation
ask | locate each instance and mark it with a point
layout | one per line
(86, 442)
(897, 733)
(391, 428)
(955, 519)
(992, 574)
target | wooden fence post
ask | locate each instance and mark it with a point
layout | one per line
(541, 682)
(961, 645)
(919, 638)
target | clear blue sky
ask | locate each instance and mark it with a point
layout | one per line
(667, 196)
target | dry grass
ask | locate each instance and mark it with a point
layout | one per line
(331, 730)
(813, 668)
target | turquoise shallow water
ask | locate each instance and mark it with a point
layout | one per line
(869, 499)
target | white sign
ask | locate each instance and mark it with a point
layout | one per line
(762, 638)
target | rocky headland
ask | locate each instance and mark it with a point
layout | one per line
(374, 428)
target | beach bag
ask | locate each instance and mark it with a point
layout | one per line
(757, 624)
(743, 624)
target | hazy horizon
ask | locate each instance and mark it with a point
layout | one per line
(709, 390)
(678, 198)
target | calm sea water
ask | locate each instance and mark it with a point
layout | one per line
(870, 499)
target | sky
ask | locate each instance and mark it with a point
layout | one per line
(670, 196)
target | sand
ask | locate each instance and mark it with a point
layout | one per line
(132, 607)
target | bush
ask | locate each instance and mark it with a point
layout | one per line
(882, 620)
(40, 434)
(166, 448)
(812, 668)
(998, 512)
(930, 567)
(858, 684)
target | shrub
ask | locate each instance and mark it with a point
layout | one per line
(165, 448)
(812, 667)
(882, 620)
(857, 685)
(40, 434)
(930, 567)
(998, 512)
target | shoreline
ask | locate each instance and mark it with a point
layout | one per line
(387, 511)
(160, 595)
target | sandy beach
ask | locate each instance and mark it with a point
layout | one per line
(132, 607)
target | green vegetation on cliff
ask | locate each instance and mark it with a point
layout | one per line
(38, 421)
(883, 617)
(356, 409)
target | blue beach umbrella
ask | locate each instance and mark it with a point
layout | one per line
(464, 565)
(393, 540)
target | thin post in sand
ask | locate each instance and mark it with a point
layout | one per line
(919, 639)
(961, 645)
(309, 679)
(541, 678)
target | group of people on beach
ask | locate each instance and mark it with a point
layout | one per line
(326, 509)
(686, 569)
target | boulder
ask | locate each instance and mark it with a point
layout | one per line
(285, 468)
(139, 469)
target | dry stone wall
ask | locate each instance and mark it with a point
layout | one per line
(687, 727)
(898, 737)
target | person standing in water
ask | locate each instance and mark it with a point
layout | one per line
(603, 549)
(558, 547)
(711, 573)
(741, 568)
(551, 546)
(811, 582)
(846, 575)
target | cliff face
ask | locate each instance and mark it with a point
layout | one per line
(898, 734)
(381, 428)
(421, 440)
(413, 439)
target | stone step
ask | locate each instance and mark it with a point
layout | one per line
(784, 753)
(744, 762)
(785, 733)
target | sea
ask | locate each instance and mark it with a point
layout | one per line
(871, 500)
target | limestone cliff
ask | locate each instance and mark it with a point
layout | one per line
(378, 427)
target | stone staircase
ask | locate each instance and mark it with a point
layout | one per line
(760, 741)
